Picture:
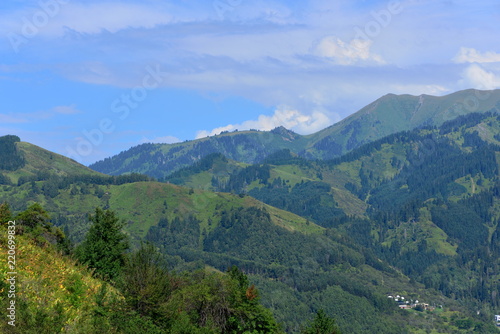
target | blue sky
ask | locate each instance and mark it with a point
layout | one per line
(88, 79)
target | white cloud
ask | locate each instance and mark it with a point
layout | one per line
(357, 50)
(29, 117)
(477, 77)
(66, 110)
(10, 119)
(87, 18)
(283, 116)
(161, 140)
(413, 89)
(470, 55)
(111, 17)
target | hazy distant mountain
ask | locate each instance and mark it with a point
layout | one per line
(387, 115)
(394, 113)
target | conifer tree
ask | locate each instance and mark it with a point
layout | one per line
(322, 324)
(105, 244)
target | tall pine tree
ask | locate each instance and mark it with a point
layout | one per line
(105, 244)
(322, 324)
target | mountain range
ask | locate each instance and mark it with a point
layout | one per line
(400, 198)
(385, 116)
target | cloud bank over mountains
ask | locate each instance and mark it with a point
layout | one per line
(302, 65)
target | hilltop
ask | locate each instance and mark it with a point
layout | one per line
(22, 160)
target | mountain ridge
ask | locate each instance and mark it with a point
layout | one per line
(388, 114)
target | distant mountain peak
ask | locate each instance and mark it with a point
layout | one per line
(284, 132)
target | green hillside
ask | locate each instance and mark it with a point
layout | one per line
(52, 291)
(280, 253)
(46, 290)
(40, 161)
